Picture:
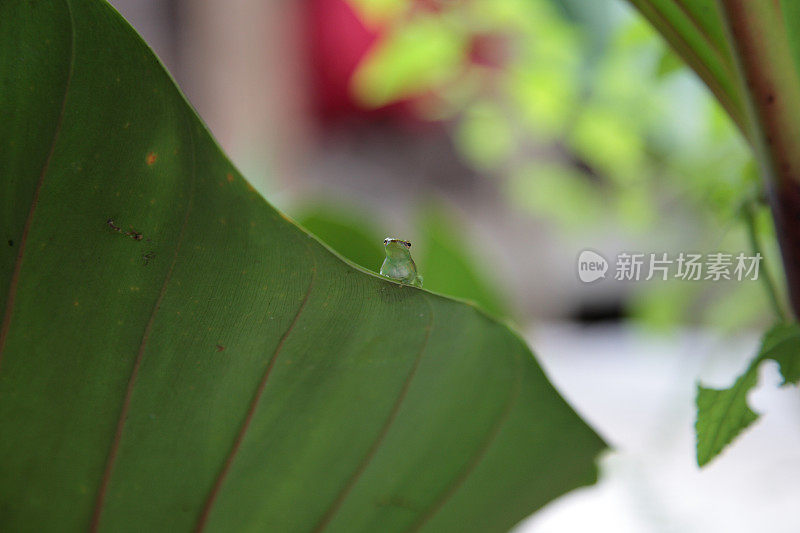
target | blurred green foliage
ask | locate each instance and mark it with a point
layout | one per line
(580, 112)
(420, 54)
(543, 188)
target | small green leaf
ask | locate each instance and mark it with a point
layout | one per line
(668, 63)
(723, 413)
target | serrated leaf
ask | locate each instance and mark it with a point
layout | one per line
(724, 413)
(177, 355)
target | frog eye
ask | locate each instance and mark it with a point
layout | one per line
(386, 241)
(408, 244)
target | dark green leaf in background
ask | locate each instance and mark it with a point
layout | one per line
(448, 265)
(351, 236)
(176, 355)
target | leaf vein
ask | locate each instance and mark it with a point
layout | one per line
(365, 462)
(12, 290)
(703, 32)
(472, 464)
(742, 386)
(220, 480)
(112, 454)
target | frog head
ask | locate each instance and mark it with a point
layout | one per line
(397, 248)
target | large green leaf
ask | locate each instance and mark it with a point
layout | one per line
(175, 354)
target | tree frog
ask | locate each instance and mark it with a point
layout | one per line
(398, 263)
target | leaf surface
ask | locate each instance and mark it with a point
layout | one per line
(176, 355)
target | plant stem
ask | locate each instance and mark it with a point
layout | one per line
(771, 85)
(748, 213)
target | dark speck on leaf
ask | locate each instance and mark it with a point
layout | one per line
(220, 347)
(135, 235)
(110, 223)
(10, 242)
